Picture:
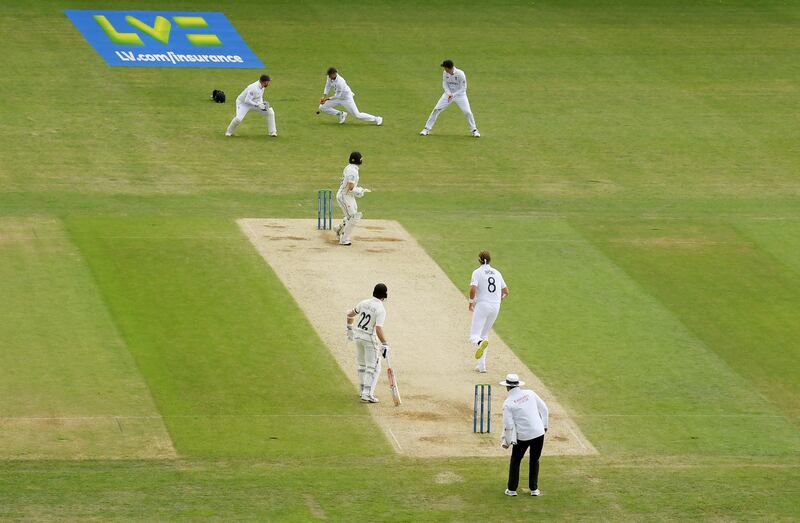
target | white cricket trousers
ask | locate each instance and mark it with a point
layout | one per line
(368, 362)
(243, 109)
(349, 105)
(347, 202)
(461, 101)
(483, 317)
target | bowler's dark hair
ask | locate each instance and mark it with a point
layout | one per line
(265, 78)
(332, 70)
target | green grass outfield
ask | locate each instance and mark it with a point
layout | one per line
(636, 181)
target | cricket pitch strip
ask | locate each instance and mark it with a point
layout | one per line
(427, 324)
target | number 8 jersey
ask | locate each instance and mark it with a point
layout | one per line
(489, 283)
(369, 314)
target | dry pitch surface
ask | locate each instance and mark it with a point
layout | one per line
(427, 325)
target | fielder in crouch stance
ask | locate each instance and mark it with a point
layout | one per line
(524, 426)
(486, 290)
(454, 82)
(369, 316)
(342, 96)
(252, 99)
(346, 197)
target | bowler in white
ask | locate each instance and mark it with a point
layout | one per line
(365, 327)
(252, 99)
(344, 97)
(524, 426)
(454, 82)
(487, 289)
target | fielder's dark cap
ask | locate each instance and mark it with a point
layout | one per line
(448, 64)
(265, 78)
(332, 70)
(380, 291)
(355, 158)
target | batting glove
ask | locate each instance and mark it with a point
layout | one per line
(349, 333)
(385, 351)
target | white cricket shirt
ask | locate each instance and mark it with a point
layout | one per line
(339, 86)
(350, 174)
(525, 411)
(253, 95)
(489, 283)
(370, 313)
(456, 83)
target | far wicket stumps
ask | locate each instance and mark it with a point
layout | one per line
(324, 209)
(486, 407)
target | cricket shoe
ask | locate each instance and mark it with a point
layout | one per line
(379, 120)
(476, 134)
(342, 117)
(370, 399)
(536, 492)
(424, 132)
(345, 243)
(480, 370)
(511, 493)
(274, 135)
(228, 134)
(481, 348)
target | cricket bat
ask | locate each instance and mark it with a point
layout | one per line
(393, 386)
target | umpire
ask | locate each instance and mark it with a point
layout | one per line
(524, 423)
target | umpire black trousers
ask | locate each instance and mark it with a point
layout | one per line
(517, 453)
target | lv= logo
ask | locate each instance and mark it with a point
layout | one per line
(159, 31)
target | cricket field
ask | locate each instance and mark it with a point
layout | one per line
(636, 181)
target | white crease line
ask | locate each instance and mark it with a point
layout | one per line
(580, 440)
(399, 448)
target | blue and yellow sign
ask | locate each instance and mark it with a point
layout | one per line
(164, 39)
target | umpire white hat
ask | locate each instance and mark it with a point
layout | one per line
(512, 380)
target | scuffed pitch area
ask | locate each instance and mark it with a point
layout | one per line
(427, 325)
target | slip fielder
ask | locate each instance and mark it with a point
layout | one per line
(367, 332)
(346, 198)
(454, 82)
(486, 290)
(344, 97)
(252, 99)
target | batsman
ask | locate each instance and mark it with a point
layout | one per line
(365, 327)
(346, 196)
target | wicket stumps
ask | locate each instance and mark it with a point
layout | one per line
(486, 407)
(324, 209)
